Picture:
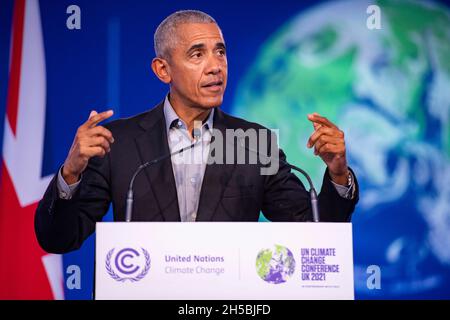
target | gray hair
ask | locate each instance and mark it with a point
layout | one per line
(166, 31)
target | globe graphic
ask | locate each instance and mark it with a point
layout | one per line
(275, 265)
(389, 90)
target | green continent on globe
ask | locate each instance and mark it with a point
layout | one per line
(263, 263)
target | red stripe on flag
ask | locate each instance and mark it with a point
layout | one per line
(22, 273)
(16, 62)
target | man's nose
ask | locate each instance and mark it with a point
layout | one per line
(215, 65)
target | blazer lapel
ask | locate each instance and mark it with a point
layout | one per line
(216, 177)
(151, 144)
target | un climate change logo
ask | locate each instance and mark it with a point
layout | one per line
(275, 265)
(128, 264)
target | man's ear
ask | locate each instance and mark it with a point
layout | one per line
(161, 69)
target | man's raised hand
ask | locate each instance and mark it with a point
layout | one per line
(328, 142)
(90, 140)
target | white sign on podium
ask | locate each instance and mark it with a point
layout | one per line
(224, 260)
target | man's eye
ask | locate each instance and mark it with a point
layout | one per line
(196, 55)
(221, 52)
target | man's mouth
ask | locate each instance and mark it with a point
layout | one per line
(213, 85)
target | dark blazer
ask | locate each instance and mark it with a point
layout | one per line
(229, 192)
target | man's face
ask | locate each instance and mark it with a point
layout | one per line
(198, 66)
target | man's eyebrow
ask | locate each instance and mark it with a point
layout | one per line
(201, 46)
(220, 45)
(196, 47)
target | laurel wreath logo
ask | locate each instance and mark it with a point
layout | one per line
(116, 277)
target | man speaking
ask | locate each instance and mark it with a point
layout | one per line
(191, 58)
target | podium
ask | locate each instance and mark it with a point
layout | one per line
(224, 261)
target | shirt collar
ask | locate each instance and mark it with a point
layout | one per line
(172, 118)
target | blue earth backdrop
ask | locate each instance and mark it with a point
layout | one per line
(388, 89)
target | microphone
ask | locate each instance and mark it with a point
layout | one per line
(196, 133)
(312, 191)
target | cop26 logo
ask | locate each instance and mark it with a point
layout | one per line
(127, 264)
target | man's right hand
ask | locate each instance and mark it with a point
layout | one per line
(90, 141)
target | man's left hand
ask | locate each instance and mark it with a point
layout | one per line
(328, 142)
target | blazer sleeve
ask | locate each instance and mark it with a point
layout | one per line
(286, 198)
(62, 225)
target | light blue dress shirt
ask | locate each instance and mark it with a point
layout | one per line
(189, 166)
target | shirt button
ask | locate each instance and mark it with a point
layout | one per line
(63, 195)
(193, 180)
